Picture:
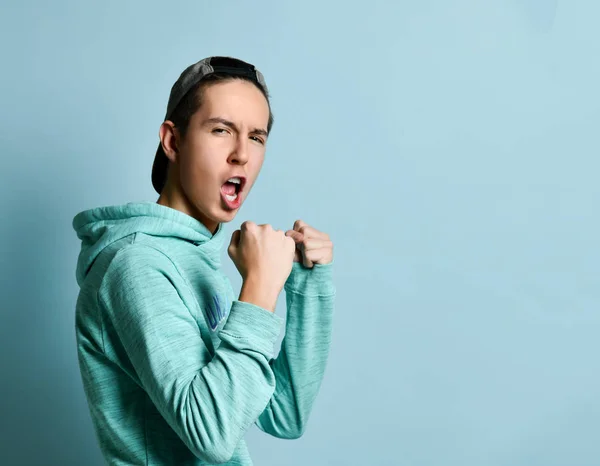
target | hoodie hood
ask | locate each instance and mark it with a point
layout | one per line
(99, 227)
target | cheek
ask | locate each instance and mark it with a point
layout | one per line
(195, 172)
(197, 157)
(257, 160)
(254, 166)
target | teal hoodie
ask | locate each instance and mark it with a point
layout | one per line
(176, 369)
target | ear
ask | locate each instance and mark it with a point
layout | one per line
(169, 138)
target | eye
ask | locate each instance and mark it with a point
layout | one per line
(257, 139)
(219, 131)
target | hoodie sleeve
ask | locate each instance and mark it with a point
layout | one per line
(300, 365)
(209, 401)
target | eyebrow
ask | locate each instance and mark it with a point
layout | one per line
(233, 126)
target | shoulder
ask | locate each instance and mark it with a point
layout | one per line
(138, 254)
(139, 266)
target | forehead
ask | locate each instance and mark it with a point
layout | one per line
(239, 101)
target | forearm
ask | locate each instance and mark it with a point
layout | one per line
(300, 365)
(227, 395)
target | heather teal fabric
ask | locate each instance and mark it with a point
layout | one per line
(174, 367)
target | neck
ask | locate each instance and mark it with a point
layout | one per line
(175, 199)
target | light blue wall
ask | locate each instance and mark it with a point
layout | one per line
(450, 148)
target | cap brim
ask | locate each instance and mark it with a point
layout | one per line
(159, 169)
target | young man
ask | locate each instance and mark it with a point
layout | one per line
(174, 367)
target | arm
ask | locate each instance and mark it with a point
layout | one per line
(300, 365)
(209, 402)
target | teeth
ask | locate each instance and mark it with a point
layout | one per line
(231, 198)
(234, 180)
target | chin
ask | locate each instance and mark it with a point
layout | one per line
(223, 216)
(226, 218)
(211, 214)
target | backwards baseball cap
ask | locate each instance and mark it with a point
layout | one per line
(191, 76)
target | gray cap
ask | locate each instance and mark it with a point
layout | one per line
(188, 79)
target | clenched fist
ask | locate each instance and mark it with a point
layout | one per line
(264, 258)
(312, 245)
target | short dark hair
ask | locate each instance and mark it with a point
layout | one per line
(192, 101)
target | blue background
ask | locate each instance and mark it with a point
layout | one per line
(450, 148)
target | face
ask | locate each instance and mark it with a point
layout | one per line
(226, 139)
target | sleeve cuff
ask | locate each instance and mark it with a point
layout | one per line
(253, 324)
(316, 281)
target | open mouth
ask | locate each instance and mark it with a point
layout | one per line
(232, 188)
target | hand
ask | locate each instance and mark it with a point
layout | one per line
(264, 258)
(312, 245)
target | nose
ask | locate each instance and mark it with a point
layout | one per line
(239, 154)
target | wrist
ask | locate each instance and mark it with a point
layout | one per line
(259, 293)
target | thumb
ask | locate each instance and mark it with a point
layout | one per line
(235, 241)
(295, 235)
